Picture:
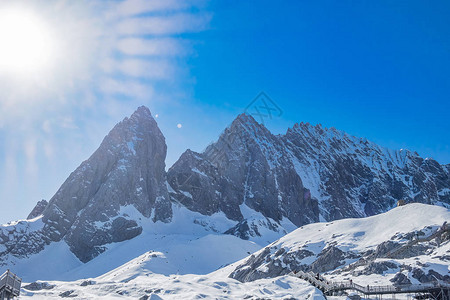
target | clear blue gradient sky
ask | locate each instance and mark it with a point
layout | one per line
(378, 69)
(375, 69)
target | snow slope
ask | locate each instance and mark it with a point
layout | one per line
(333, 247)
(191, 243)
(121, 203)
(162, 273)
(367, 233)
(136, 280)
(151, 275)
(182, 287)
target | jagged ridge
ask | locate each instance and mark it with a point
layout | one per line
(264, 184)
(310, 173)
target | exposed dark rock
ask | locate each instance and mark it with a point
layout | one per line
(415, 250)
(384, 248)
(436, 275)
(271, 262)
(241, 230)
(87, 282)
(68, 294)
(247, 165)
(376, 267)
(329, 259)
(400, 279)
(308, 173)
(36, 286)
(127, 169)
(420, 275)
(38, 209)
(246, 229)
(250, 165)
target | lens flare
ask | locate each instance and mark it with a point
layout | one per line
(26, 42)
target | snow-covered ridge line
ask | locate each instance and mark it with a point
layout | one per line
(335, 175)
(250, 184)
(361, 249)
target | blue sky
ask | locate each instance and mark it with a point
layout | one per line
(375, 69)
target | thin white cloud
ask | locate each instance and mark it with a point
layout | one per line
(153, 47)
(47, 126)
(30, 154)
(156, 69)
(112, 56)
(131, 89)
(59, 122)
(136, 7)
(49, 150)
(67, 122)
(164, 25)
(10, 161)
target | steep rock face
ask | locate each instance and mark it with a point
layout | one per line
(38, 209)
(88, 211)
(352, 177)
(310, 173)
(127, 169)
(246, 166)
(264, 183)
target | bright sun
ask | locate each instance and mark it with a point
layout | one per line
(26, 45)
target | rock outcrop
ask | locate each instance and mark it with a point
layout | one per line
(353, 177)
(246, 166)
(38, 209)
(310, 173)
(353, 248)
(263, 183)
(128, 169)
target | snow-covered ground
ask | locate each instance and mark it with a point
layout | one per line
(157, 286)
(354, 239)
(134, 280)
(167, 272)
(366, 233)
(191, 243)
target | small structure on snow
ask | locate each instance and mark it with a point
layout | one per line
(9, 285)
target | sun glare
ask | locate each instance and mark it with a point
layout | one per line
(26, 45)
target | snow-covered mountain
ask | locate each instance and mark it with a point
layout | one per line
(127, 169)
(353, 177)
(118, 202)
(250, 184)
(246, 169)
(356, 249)
(405, 245)
(309, 174)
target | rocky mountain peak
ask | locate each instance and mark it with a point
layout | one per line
(142, 112)
(139, 128)
(128, 169)
(106, 198)
(247, 167)
(259, 181)
(246, 124)
(245, 119)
